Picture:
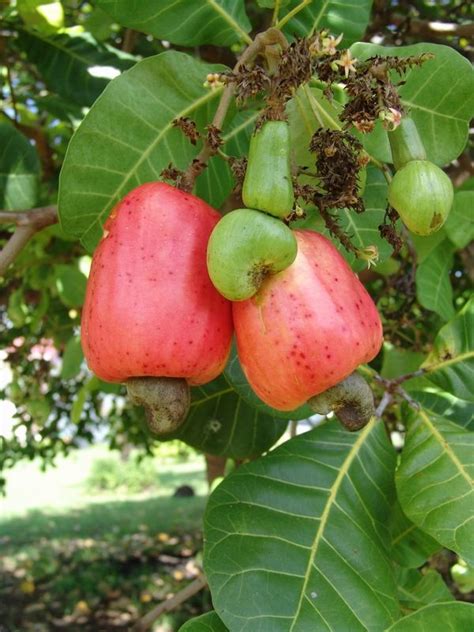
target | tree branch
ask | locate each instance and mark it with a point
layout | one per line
(27, 223)
(271, 36)
(170, 604)
(425, 28)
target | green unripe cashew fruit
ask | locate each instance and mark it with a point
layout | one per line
(422, 194)
(244, 248)
(406, 144)
(351, 400)
(267, 184)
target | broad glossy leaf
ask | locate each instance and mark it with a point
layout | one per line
(71, 285)
(460, 223)
(417, 589)
(216, 182)
(445, 405)
(223, 423)
(185, 22)
(297, 540)
(339, 16)
(439, 97)
(128, 138)
(19, 170)
(76, 67)
(435, 481)
(235, 376)
(72, 358)
(269, 4)
(209, 622)
(433, 286)
(45, 16)
(438, 617)
(411, 546)
(450, 365)
(424, 246)
(398, 361)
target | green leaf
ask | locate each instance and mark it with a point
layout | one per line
(215, 184)
(298, 539)
(398, 361)
(72, 359)
(19, 170)
(209, 622)
(78, 403)
(433, 286)
(435, 484)
(44, 15)
(411, 547)
(418, 589)
(236, 377)
(439, 97)
(460, 223)
(269, 4)
(76, 67)
(438, 617)
(184, 22)
(119, 146)
(450, 365)
(71, 285)
(445, 405)
(339, 16)
(223, 423)
(363, 227)
(424, 246)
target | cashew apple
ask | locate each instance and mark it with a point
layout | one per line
(307, 328)
(150, 308)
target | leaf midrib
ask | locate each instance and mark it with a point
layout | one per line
(327, 510)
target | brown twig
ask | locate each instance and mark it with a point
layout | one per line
(27, 223)
(271, 36)
(425, 28)
(129, 40)
(170, 604)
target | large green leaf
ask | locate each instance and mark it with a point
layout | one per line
(445, 405)
(19, 170)
(450, 365)
(236, 377)
(439, 96)
(208, 622)
(223, 423)
(418, 589)
(435, 483)
(128, 138)
(339, 16)
(438, 617)
(76, 67)
(297, 540)
(433, 286)
(411, 547)
(184, 22)
(72, 358)
(460, 223)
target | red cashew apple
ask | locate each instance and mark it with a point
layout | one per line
(151, 309)
(307, 328)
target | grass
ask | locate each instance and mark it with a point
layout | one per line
(89, 561)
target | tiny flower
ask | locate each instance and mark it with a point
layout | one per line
(347, 62)
(364, 126)
(330, 43)
(369, 254)
(391, 118)
(213, 81)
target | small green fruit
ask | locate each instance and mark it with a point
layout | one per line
(422, 194)
(245, 247)
(406, 144)
(268, 185)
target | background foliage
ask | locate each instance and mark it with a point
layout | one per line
(90, 91)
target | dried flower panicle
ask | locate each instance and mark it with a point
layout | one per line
(189, 129)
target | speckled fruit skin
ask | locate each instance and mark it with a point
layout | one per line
(307, 328)
(150, 308)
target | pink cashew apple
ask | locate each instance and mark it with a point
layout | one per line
(307, 328)
(151, 309)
